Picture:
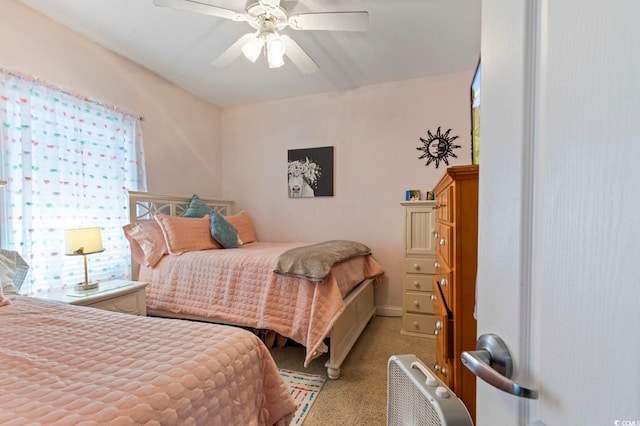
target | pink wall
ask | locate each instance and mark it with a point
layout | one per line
(181, 132)
(192, 146)
(375, 131)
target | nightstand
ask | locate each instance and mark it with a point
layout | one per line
(119, 296)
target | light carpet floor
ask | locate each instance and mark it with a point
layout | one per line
(359, 396)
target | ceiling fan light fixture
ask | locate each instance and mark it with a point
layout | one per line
(275, 61)
(275, 45)
(268, 18)
(251, 49)
(275, 50)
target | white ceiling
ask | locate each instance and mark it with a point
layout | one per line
(406, 39)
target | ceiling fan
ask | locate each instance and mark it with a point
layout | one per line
(268, 18)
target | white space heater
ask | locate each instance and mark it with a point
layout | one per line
(416, 397)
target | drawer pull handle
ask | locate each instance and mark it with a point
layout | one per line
(436, 367)
(443, 282)
(438, 325)
(436, 265)
(433, 297)
(443, 371)
(415, 324)
(435, 332)
(435, 235)
(416, 303)
(443, 242)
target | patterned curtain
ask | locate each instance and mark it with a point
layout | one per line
(68, 163)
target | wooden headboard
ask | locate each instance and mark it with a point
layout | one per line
(145, 205)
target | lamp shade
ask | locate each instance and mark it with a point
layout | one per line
(252, 48)
(82, 241)
(275, 50)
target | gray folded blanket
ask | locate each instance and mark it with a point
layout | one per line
(314, 262)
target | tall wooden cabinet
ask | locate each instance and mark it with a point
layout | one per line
(418, 268)
(454, 283)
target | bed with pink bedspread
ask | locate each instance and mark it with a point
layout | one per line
(252, 294)
(64, 364)
(239, 286)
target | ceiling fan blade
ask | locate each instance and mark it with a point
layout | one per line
(204, 8)
(298, 56)
(232, 52)
(331, 21)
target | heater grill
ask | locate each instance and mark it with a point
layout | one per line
(416, 397)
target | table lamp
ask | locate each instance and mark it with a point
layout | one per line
(81, 242)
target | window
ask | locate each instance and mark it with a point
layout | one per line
(68, 163)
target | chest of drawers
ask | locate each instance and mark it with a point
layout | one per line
(418, 268)
(454, 280)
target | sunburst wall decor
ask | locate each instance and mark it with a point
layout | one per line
(438, 147)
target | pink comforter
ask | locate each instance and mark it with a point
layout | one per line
(239, 286)
(64, 365)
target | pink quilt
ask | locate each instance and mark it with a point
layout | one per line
(239, 286)
(67, 365)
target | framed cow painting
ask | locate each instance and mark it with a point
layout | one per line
(310, 172)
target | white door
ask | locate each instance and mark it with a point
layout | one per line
(559, 213)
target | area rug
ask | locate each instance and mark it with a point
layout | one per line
(304, 389)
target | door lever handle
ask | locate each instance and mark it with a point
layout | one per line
(491, 361)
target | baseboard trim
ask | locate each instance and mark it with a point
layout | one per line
(389, 311)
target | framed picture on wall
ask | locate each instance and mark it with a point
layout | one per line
(475, 116)
(310, 172)
(412, 195)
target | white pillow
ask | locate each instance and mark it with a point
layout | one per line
(7, 274)
(3, 300)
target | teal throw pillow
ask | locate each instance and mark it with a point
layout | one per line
(197, 208)
(222, 231)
